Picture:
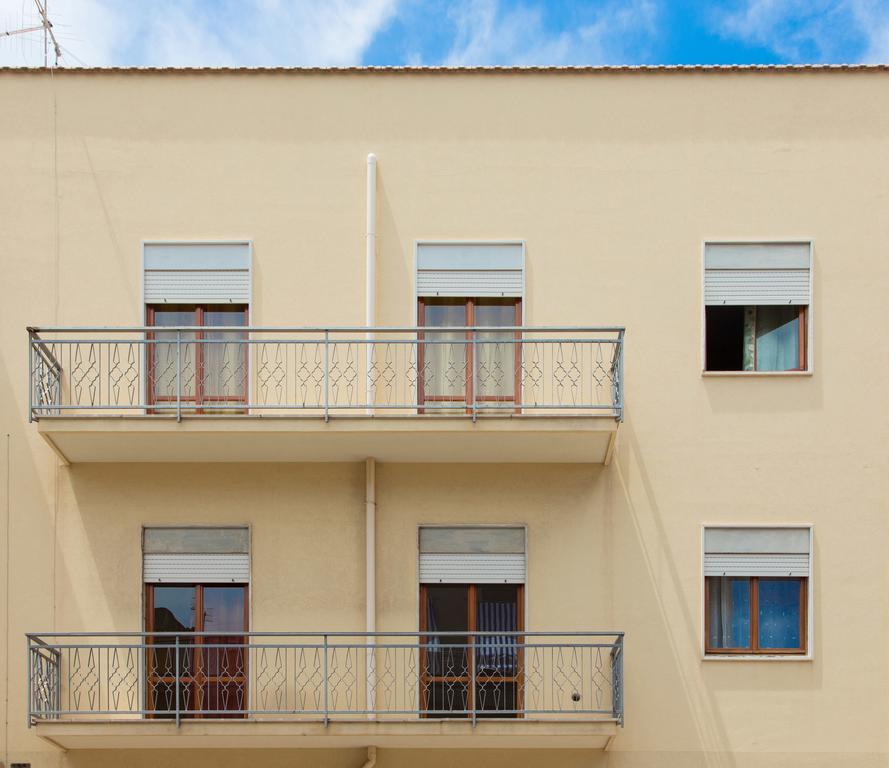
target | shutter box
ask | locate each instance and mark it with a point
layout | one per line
(195, 273)
(757, 552)
(194, 554)
(765, 274)
(472, 555)
(470, 269)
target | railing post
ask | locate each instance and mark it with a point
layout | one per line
(30, 685)
(326, 686)
(326, 375)
(617, 680)
(472, 665)
(178, 396)
(177, 682)
(620, 375)
(30, 386)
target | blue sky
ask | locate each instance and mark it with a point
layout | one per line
(454, 32)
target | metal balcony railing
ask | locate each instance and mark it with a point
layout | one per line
(326, 676)
(187, 371)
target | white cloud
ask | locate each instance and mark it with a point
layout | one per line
(198, 32)
(811, 30)
(488, 34)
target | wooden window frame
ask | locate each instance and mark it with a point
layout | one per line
(753, 649)
(200, 401)
(472, 621)
(196, 679)
(469, 304)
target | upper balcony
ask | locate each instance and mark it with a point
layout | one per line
(405, 689)
(467, 394)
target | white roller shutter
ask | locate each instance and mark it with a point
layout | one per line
(470, 269)
(196, 568)
(757, 551)
(472, 569)
(757, 274)
(186, 273)
(172, 554)
(756, 565)
(472, 555)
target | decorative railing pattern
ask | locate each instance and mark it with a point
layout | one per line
(324, 677)
(325, 371)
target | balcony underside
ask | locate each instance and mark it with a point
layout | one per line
(512, 439)
(241, 734)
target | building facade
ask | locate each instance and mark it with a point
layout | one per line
(500, 417)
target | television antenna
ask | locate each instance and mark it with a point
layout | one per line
(48, 35)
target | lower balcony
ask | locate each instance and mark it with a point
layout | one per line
(337, 394)
(399, 690)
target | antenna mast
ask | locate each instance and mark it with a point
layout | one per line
(48, 34)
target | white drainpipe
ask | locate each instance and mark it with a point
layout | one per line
(371, 758)
(370, 299)
(370, 526)
(370, 506)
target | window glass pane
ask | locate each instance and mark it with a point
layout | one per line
(225, 356)
(444, 352)
(174, 611)
(497, 611)
(779, 613)
(224, 609)
(164, 382)
(728, 612)
(447, 610)
(777, 338)
(495, 367)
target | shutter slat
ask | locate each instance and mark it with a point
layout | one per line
(774, 564)
(196, 568)
(757, 286)
(193, 285)
(470, 282)
(472, 568)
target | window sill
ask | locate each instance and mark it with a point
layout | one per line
(754, 374)
(757, 657)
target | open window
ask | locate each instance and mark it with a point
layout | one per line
(471, 616)
(756, 591)
(757, 298)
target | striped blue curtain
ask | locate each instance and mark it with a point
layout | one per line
(497, 653)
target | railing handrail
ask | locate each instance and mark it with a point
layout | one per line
(38, 636)
(37, 330)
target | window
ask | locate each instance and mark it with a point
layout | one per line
(207, 369)
(447, 659)
(212, 675)
(459, 366)
(472, 580)
(464, 284)
(756, 591)
(757, 300)
(196, 580)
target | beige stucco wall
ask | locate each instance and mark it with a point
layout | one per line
(613, 181)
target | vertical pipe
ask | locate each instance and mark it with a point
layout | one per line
(370, 527)
(370, 295)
